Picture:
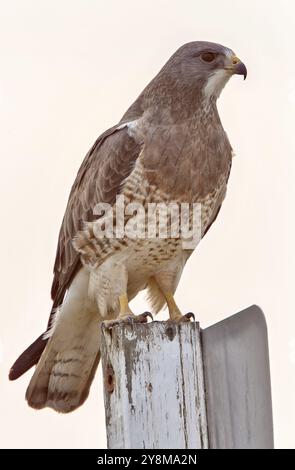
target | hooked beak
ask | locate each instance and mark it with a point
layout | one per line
(237, 67)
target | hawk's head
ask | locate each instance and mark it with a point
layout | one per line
(207, 64)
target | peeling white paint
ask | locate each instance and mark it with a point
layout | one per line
(158, 399)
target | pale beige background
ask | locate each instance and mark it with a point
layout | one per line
(68, 70)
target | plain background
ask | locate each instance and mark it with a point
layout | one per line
(68, 70)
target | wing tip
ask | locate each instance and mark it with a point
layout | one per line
(28, 358)
(12, 375)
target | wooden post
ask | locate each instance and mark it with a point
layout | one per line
(157, 397)
(154, 386)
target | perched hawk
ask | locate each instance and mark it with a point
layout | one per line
(169, 146)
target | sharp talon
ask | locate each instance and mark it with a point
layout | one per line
(190, 315)
(143, 317)
(147, 315)
(184, 318)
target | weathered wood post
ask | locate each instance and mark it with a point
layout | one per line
(154, 386)
(172, 386)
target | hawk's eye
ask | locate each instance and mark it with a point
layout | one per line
(208, 56)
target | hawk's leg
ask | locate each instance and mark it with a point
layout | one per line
(126, 315)
(167, 282)
(174, 312)
(125, 310)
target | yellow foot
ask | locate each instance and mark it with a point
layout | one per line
(174, 312)
(128, 319)
(179, 318)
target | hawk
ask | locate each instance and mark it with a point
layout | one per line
(169, 146)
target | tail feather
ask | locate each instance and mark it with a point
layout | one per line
(67, 366)
(67, 355)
